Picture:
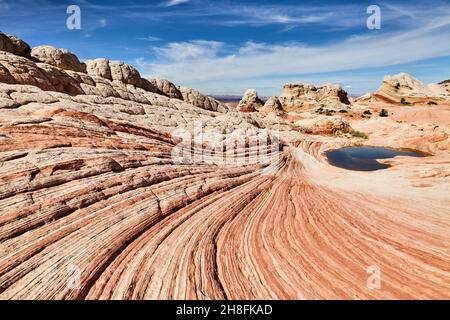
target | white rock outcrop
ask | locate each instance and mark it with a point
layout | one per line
(250, 102)
(166, 87)
(404, 88)
(60, 58)
(299, 97)
(202, 101)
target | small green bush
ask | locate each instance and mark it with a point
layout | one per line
(383, 113)
(403, 101)
(358, 134)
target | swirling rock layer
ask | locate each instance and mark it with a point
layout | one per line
(93, 204)
(405, 89)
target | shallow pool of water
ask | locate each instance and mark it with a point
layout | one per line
(365, 158)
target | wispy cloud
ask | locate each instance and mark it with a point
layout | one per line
(240, 15)
(232, 13)
(237, 13)
(149, 38)
(194, 50)
(102, 23)
(291, 40)
(199, 63)
(171, 3)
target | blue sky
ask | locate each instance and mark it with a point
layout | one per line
(225, 47)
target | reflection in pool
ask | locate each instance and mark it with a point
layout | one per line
(364, 158)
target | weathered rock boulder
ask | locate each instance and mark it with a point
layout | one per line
(12, 44)
(324, 125)
(202, 101)
(405, 89)
(299, 97)
(250, 102)
(15, 69)
(124, 73)
(99, 67)
(166, 88)
(364, 98)
(272, 105)
(445, 85)
(118, 71)
(60, 58)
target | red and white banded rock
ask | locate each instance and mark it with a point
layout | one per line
(93, 204)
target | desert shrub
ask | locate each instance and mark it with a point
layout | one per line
(403, 101)
(367, 113)
(383, 113)
(432, 103)
(343, 111)
(358, 134)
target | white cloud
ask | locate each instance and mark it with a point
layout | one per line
(235, 14)
(103, 23)
(181, 52)
(171, 3)
(251, 48)
(201, 63)
(261, 15)
(149, 38)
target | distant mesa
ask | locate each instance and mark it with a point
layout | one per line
(227, 98)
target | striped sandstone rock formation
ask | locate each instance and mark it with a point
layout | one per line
(94, 205)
